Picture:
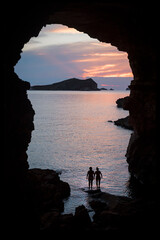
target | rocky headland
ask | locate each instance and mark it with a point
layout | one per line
(121, 102)
(72, 84)
(123, 122)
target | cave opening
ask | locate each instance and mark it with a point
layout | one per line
(127, 26)
(60, 52)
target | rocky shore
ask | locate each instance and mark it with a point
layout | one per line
(46, 192)
(123, 122)
(112, 214)
(119, 214)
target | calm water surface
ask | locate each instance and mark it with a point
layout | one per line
(72, 133)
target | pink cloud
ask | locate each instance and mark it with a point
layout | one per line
(63, 29)
(75, 59)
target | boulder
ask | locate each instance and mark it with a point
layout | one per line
(47, 190)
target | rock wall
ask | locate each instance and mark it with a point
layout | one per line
(129, 27)
(18, 127)
(142, 152)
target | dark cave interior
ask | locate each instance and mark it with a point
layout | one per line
(131, 28)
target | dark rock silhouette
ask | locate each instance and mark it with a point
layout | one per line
(103, 89)
(122, 214)
(121, 102)
(127, 26)
(82, 218)
(112, 214)
(124, 122)
(70, 84)
(47, 190)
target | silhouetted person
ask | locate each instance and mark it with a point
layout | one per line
(90, 177)
(98, 175)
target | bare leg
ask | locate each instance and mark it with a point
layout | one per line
(91, 184)
(99, 183)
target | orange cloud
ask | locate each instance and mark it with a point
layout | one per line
(129, 74)
(109, 54)
(107, 70)
(98, 70)
(105, 74)
(63, 29)
(104, 62)
(87, 60)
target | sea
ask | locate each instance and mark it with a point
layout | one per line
(73, 131)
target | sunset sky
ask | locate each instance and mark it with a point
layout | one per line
(59, 53)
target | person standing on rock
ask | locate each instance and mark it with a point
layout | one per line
(90, 177)
(98, 176)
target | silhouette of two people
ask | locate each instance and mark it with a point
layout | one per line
(91, 175)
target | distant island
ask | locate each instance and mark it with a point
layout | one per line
(70, 84)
